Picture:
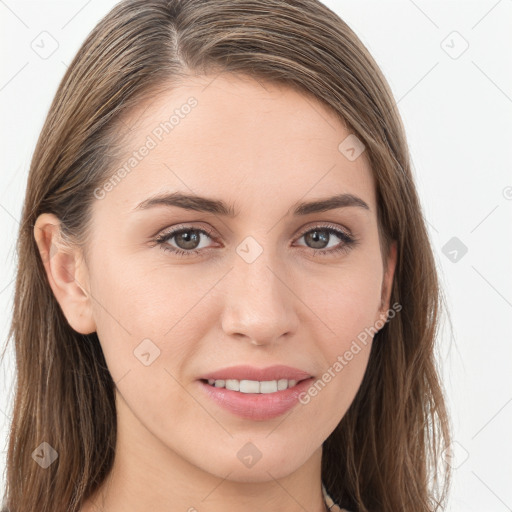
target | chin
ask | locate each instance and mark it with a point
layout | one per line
(249, 464)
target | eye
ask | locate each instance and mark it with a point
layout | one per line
(187, 239)
(319, 238)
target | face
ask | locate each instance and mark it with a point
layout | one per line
(180, 288)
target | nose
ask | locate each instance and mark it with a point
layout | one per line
(260, 302)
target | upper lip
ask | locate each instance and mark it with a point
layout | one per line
(275, 372)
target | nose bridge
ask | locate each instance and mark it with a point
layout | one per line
(259, 305)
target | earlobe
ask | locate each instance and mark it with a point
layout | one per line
(65, 270)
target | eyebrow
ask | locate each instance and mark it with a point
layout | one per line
(217, 207)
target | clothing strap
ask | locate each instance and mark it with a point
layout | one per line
(330, 503)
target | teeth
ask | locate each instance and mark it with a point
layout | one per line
(249, 386)
(268, 386)
(233, 384)
(253, 386)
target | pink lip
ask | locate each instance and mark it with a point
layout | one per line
(257, 406)
(275, 372)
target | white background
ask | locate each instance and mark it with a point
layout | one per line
(457, 115)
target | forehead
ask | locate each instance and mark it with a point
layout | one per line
(235, 138)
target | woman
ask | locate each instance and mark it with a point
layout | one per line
(226, 296)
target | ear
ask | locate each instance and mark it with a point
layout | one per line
(66, 272)
(387, 282)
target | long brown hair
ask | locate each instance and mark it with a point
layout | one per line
(385, 454)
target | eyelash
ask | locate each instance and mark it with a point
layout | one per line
(348, 241)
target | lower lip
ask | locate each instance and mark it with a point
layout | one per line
(257, 406)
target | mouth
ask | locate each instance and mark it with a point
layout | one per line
(255, 400)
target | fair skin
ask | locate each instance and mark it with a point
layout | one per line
(262, 149)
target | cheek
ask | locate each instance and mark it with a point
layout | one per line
(148, 328)
(153, 316)
(345, 302)
(144, 300)
(343, 338)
